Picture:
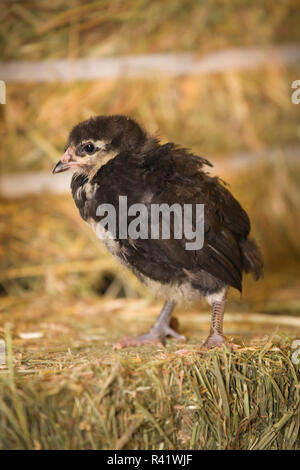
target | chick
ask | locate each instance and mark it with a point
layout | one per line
(114, 159)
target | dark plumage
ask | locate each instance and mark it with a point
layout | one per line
(112, 156)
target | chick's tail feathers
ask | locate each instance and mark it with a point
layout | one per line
(252, 258)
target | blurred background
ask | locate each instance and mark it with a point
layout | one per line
(241, 119)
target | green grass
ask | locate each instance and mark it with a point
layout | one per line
(91, 397)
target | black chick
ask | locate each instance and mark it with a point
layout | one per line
(113, 156)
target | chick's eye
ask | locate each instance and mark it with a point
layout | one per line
(89, 148)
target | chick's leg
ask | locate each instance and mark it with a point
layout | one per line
(158, 332)
(216, 337)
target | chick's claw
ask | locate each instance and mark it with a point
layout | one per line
(155, 338)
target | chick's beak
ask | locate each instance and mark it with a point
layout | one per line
(65, 163)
